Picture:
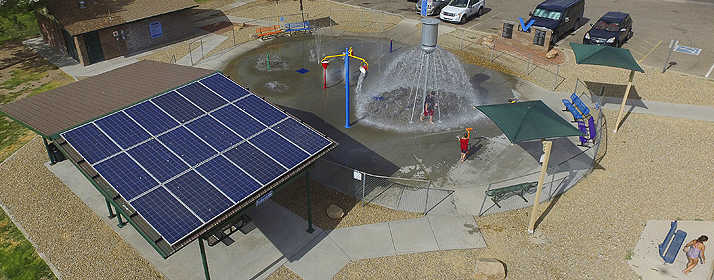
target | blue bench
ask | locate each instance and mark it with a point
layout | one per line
(583, 131)
(297, 26)
(668, 250)
(591, 126)
(570, 108)
(580, 105)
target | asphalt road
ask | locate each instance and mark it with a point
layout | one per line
(655, 23)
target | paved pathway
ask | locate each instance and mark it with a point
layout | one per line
(333, 250)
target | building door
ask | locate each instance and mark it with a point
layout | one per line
(94, 47)
(69, 44)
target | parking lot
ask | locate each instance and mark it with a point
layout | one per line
(655, 23)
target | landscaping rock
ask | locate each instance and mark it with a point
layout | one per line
(335, 212)
(552, 54)
(490, 269)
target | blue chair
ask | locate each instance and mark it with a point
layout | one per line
(580, 105)
(569, 106)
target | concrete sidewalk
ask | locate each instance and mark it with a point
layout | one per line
(647, 262)
(327, 256)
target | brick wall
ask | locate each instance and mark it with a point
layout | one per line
(174, 26)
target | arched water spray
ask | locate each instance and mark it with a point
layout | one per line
(396, 99)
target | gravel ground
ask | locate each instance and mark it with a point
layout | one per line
(641, 174)
(283, 273)
(77, 242)
(322, 197)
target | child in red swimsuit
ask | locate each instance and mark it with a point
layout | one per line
(429, 104)
(464, 144)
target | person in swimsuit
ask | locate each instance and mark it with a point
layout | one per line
(464, 144)
(429, 104)
(695, 253)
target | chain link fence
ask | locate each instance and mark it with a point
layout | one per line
(405, 194)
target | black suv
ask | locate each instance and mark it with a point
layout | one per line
(612, 29)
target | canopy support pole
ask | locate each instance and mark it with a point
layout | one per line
(309, 206)
(624, 100)
(202, 248)
(109, 207)
(543, 170)
(49, 153)
(121, 223)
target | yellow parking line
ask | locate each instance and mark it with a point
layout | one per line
(650, 52)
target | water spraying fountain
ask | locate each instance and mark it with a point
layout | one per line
(396, 99)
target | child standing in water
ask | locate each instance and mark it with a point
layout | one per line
(429, 104)
(464, 144)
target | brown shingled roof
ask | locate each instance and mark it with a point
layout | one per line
(100, 14)
(74, 104)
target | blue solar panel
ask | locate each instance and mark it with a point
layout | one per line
(229, 178)
(91, 143)
(255, 163)
(187, 146)
(202, 96)
(225, 87)
(279, 148)
(261, 110)
(302, 136)
(125, 176)
(157, 160)
(163, 149)
(238, 121)
(177, 106)
(205, 200)
(166, 214)
(214, 133)
(151, 117)
(122, 129)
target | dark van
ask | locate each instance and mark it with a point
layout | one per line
(561, 16)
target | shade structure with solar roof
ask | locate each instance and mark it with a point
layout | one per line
(185, 157)
(178, 151)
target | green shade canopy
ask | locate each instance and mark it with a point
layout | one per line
(605, 56)
(528, 120)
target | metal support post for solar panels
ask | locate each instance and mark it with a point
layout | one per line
(203, 258)
(49, 153)
(121, 223)
(109, 207)
(309, 206)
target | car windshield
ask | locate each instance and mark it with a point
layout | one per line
(609, 26)
(459, 3)
(554, 15)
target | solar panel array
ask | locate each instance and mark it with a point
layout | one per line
(184, 157)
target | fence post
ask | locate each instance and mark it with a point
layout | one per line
(557, 74)
(426, 201)
(190, 52)
(201, 48)
(364, 179)
(234, 35)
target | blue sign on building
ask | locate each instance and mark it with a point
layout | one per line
(155, 29)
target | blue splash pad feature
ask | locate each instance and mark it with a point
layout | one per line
(302, 71)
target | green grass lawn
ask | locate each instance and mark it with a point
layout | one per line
(18, 259)
(17, 24)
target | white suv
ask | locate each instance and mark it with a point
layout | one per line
(460, 10)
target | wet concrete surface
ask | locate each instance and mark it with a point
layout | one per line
(432, 153)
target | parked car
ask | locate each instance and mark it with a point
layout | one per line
(460, 10)
(561, 16)
(612, 29)
(433, 7)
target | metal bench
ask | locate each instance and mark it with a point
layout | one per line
(580, 105)
(505, 192)
(570, 108)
